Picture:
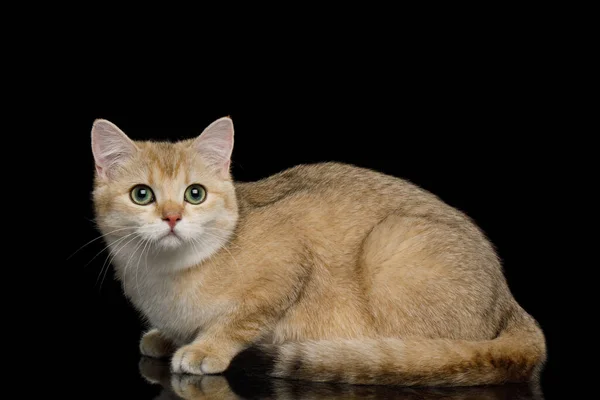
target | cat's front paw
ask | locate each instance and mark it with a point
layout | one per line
(153, 344)
(197, 360)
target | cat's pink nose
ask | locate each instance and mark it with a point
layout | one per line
(172, 219)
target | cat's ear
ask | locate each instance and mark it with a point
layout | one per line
(111, 147)
(215, 145)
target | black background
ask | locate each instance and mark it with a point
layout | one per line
(470, 120)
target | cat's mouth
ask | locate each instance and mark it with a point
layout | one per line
(171, 240)
(172, 234)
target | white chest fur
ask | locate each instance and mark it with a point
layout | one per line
(179, 310)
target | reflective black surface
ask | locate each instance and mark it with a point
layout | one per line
(237, 385)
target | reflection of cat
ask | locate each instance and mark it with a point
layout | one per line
(339, 273)
(236, 386)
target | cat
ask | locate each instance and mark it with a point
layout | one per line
(336, 272)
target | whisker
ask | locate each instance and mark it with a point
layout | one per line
(206, 231)
(149, 248)
(193, 242)
(107, 246)
(195, 294)
(224, 247)
(129, 260)
(200, 241)
(231, 235)
(93, 240)
(137, 283)
(111, 257)
(229, 243)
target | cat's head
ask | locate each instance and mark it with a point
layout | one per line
(164, 197)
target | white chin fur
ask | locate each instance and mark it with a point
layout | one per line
(165, 253)
(170, 242)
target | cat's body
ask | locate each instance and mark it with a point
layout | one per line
(340, 273)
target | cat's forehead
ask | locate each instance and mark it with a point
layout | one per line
(173, 161)
(167, 158)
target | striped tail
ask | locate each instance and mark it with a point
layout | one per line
(516, 355)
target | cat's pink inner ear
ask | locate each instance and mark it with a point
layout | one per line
(215, 145)
(111, 147)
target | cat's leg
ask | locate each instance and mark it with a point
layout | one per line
(259, 306)
(155, 344)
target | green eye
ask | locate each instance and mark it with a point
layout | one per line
(142, 195)
(195, 194)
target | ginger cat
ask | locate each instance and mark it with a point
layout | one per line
(338, 273)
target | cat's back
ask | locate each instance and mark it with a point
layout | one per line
(330, 181)
(337, 198)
